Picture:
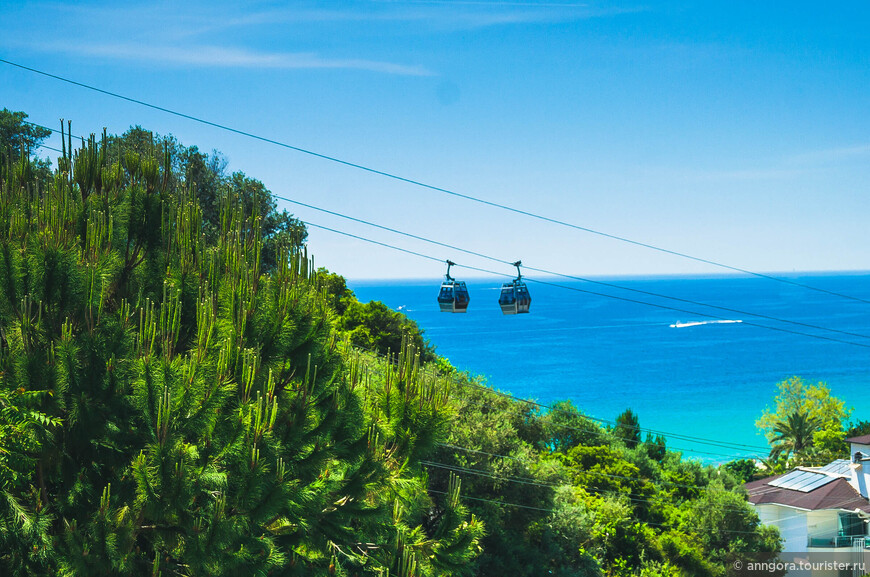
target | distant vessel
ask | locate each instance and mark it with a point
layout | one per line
(680, 324)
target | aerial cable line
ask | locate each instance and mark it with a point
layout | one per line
(604, 492)
(458, 469)
(668, 435)
(744, 449)
(496, 455)
(600, 434)
(699, 440)
(49, 148)
(648, 523)
(577, 289)
(610, 475)
(505, 503)
(571, 277)
(831, 501)
(638, 497)
(421, 184)
(487, 271)
(604, 435)
(634, 499)
(530, 481)
(527, 481)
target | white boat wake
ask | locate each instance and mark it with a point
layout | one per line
(681, 325)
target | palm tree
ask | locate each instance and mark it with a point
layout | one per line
(772, 464)
(794, 435)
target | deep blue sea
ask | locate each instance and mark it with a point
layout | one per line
(708, 381)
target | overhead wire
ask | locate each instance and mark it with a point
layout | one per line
(603, 435)
(667, 436)
(497, 456)
(457, 468)
(600, 473)
(832, 501)
(50, 148)
(494, 501)
(424, 185)
(504, 503)
(570, 277)
(691, 439)
(578, 289)
(637, 500)
(529, 481)
(383, 244)
(598, 491)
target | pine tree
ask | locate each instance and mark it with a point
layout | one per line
(168, 408)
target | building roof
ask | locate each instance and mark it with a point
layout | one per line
(862, 440)
(837, 494)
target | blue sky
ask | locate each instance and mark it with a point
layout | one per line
(737, 132)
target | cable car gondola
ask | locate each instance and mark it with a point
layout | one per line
(453, 297)
(515, 298)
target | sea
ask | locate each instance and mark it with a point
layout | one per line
(691, 372)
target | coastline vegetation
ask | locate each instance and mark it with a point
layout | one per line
(182, 392)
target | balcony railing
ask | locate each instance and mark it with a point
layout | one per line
(840, 541)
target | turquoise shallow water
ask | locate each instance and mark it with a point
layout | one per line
(708, 381)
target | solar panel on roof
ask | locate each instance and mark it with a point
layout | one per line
(797, 478)
(814, 483)
(838, 467)
(786, 479)
(804, 481)
(790, 479)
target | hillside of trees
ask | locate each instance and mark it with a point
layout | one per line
(183, 393)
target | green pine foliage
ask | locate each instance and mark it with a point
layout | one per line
(172, 404)
(376, 327)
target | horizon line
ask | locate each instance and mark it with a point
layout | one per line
(636, 276)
